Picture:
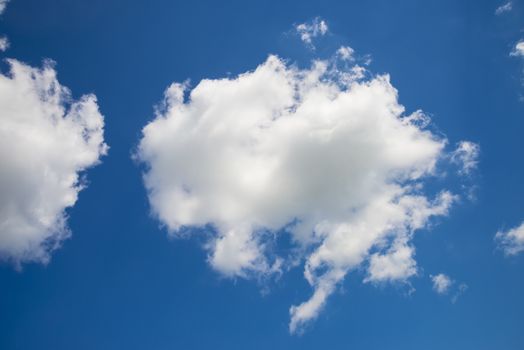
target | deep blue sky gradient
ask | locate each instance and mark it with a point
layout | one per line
(121, 283)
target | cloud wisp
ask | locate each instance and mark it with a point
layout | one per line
(507, 7)
(46, 141)
(325, 155)
(466, 157)
(444, 285)
(3, 4)
(310, 30)
(4, 43)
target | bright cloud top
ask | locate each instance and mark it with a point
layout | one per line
(321, 154)
(310, 30)
(518, 50)
(46, 140)
(441, 283)
(511, 241)
(507, 7)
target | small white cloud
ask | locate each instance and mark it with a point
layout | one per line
(518, 50)
(310, 30)
(397, 264)
(466, 156)
(4, 43)
(46, 141)
(346, 53)
(3, 4)
(441, 283)
(507, 7)
(511, 241)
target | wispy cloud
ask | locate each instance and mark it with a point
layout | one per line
(4, 43)
(312, 29)
(444, 285)
(507, 7)
(465, 156)
(3, 4)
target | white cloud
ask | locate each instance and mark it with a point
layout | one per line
(3, 4)
(518, 50)
(441, 283)
(396, 264)
(466, 156)
(511, 241)
(4, 43)
(507, 7)
(346, 53)
(46, 140)
(312, 29)
(332, 161)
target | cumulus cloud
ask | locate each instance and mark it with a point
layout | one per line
(46, 141)
(312, 29)
(511, 241)
(507, 7)
(4, 43)
(324, 155)
(441, 283)
(466, 156)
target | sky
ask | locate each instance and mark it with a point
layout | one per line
(306, 175)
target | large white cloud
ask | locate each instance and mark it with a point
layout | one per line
(322, 154)
(511, 241)
(46, 141)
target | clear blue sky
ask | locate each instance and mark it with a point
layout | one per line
(120, 283)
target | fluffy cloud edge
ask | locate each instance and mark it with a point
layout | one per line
(511, 242)
(48, 141)
(441, 283)
(269, 98)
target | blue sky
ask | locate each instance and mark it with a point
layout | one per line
(124, 279)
